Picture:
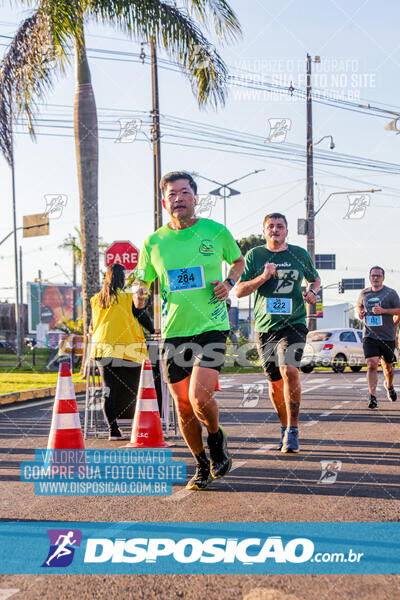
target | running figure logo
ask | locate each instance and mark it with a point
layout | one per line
(329, 471)
(62, 542)
(286, 280)
(358, 204)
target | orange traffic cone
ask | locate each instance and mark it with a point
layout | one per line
(217, 386)
(146, 427)
(65, 432)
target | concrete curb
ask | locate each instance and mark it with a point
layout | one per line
(36, 394)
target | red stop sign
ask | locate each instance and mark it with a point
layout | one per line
(124, 253)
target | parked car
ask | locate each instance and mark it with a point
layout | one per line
(336, 348)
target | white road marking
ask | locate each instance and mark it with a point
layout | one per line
(325, 414)
(313, 388)
(264, 449)
(310, 423)
(346, 401)
(4, 594)
(340, 387)
(336, 406)
(319, 380)
(183, 493)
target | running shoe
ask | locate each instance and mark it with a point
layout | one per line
(280, 444)
(220, 459)
(391, 392)
(290, 440)
(116, 435)
(202, 477)
(372, 402)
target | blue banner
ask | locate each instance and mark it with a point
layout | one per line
(121, 472)
(199, 548)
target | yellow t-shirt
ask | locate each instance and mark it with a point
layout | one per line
(116, 332)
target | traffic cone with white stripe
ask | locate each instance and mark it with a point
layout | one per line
(66, 432)
(146, 427)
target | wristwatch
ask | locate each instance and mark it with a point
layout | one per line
(313, 291)
(231, 281)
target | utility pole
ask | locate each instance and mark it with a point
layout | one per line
(157, 172)
(311, 311)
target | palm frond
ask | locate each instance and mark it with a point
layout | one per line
(177, 33)
(226, 23)
(26, 73)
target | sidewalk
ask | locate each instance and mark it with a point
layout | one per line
(36, 394)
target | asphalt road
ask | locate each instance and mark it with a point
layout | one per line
(360, 446)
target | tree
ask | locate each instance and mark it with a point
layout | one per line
(74, 244)
(25, 76)
(247, 243)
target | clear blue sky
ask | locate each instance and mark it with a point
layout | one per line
(360, 53)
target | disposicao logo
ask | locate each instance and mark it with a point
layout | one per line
(62, 547)
(189, 550)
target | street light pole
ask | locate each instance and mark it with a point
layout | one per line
(17, 306)
(223, 190)
(311, 309)
(348, 192)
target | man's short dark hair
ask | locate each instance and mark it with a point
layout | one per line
(376, 267)
(275, 216)
(174, 176)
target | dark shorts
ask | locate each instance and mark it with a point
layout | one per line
(381, 348)
(180, 354)
(279, 348)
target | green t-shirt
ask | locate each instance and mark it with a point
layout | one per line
(279, 301)
(185, 262)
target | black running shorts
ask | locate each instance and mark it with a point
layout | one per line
(381, 348)
(180, 354)
(279, 348)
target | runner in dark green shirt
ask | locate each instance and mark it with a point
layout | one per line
(274, 273)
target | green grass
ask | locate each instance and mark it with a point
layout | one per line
(16, 382)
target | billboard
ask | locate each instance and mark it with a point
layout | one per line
(53, 302)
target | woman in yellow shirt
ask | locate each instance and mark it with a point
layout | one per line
(118, 343)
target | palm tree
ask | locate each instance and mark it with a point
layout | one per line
(55, 25)
(73, 243)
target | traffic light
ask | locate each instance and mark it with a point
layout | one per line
(340, 287)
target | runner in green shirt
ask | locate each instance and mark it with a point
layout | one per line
(186, 255)
(274, 273)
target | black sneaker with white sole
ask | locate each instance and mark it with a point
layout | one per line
(202, 477)
(116, 435)
(220, 459)
(391, 392)
(372, 402)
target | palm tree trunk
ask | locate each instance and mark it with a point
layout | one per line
(87, 154)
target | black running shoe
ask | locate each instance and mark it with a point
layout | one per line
(391, 392)
(220, 459)
(372, 402)
(201, 479)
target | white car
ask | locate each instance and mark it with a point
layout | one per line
(336, 348)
